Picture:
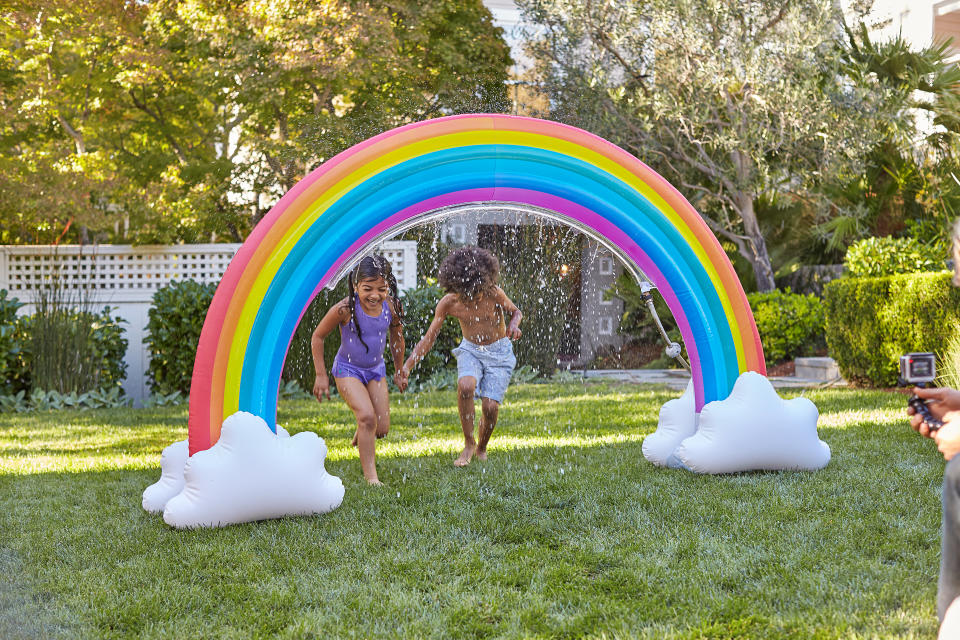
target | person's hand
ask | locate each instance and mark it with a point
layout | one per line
(940, 400)
(947, 437)
(401, 378)
(321, 386)
(514, 333)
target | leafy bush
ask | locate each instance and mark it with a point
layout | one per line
(72, 349)
(420, 304)
(298, 366)
(790, 324)
(173, 332)
(874, 257)
(109, 397)
(870, 322)
(11, 345)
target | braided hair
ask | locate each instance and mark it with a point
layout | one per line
(370, 268)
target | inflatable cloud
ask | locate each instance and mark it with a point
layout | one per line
(678, 421)
(249, 474)
(156, 496)
(753, 429)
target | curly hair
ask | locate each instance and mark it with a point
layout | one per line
(468, 271)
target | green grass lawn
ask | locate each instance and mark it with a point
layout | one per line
(566, 531)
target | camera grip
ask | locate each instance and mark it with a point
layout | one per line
(920, 406)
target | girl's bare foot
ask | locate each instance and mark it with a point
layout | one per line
(465, 455)
(481, 454)
(373, 482)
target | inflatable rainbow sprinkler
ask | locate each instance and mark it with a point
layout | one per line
(399, 178)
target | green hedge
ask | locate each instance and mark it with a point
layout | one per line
(173, 332)
(11, 346)
(790, 324)
(875, 257)
(872, 321)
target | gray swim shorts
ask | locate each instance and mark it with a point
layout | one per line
(491, 364)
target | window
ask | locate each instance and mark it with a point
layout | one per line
(605, 266)
(456, 233)
(606, 326)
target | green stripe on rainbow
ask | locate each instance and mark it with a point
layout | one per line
(403, 174)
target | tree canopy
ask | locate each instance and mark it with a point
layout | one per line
(185, 120)
(737, 103)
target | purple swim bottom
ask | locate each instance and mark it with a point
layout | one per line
(366, 375)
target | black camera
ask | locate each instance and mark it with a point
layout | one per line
(919, 369)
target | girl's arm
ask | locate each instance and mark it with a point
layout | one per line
(338, 313)
(513, 329)
(426, 342)
(397, 349)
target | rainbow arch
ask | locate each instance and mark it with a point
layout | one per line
(391, 180)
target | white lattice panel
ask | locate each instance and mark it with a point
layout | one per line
(114, 273)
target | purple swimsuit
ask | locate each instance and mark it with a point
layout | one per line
(353, 360)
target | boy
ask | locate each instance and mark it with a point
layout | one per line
(485, 357)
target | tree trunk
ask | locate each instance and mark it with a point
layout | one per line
(757, 247)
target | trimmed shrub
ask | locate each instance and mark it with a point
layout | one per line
(790, 324)
(875, 257)
(11, 346)
(871, 322)
(173, 332)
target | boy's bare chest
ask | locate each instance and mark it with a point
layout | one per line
(481, 314)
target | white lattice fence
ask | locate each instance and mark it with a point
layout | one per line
(126, 277)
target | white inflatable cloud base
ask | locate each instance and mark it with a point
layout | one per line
(249, 474)
(754, 429)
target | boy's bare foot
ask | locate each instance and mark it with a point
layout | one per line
(481, 454)
(465, 455)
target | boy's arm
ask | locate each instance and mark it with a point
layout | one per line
(426, 342)
(337, 314)
(513, 329)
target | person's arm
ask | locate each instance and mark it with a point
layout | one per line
(940, 401)
(321, 383)
(513, 329)
(397, 349)
(426, 342)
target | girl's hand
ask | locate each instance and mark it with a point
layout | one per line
(514, 333)
(321, 386)
(401, 378)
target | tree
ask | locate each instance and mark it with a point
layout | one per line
(190, 118)
(910, 179)
(734, 101)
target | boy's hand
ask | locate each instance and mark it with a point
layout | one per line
(321, 386)
(401, 378)
(514, 333)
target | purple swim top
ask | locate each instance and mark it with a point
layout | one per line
(373, 329)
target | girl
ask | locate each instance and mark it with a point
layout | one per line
(365, 316)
